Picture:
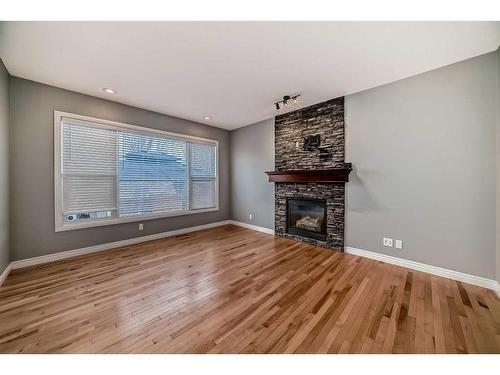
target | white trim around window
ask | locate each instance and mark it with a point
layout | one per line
(61, 224)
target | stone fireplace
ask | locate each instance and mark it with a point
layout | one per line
(310, 174)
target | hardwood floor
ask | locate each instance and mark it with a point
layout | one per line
(233, 290)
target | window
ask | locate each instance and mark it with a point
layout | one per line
(108, 173)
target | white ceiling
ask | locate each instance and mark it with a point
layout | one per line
(233, 71)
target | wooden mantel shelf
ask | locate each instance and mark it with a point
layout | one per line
(329, 176)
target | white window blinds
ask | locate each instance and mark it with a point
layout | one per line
(202, 159)
(109, 173)
(152, 174)
(88, 168)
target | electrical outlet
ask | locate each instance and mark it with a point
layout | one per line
(399, 244)
(141, 226)
(388, 242)
(250, 216)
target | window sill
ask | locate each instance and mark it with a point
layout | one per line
(63, 227)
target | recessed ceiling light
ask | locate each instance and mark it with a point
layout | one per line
(207, 118)
(109, 91)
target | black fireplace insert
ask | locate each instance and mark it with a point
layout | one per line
(306, 217)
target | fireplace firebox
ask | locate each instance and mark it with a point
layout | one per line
(306, 217)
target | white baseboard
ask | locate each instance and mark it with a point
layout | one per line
(110, 245)
(438, 271)
(5, 273)
(253, 227)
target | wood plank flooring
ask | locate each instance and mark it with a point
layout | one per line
(233, 290)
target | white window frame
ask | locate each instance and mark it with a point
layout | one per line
(62, 225)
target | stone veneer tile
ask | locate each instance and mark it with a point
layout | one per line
(327, 120)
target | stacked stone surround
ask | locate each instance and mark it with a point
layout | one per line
(327, 120)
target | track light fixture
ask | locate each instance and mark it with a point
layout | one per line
(288, 101)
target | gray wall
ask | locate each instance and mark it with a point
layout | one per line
(4, 167)
(252, 153)
(498, 166)
(423, 149)
(32, 174)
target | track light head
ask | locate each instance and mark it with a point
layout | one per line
(288, 101)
